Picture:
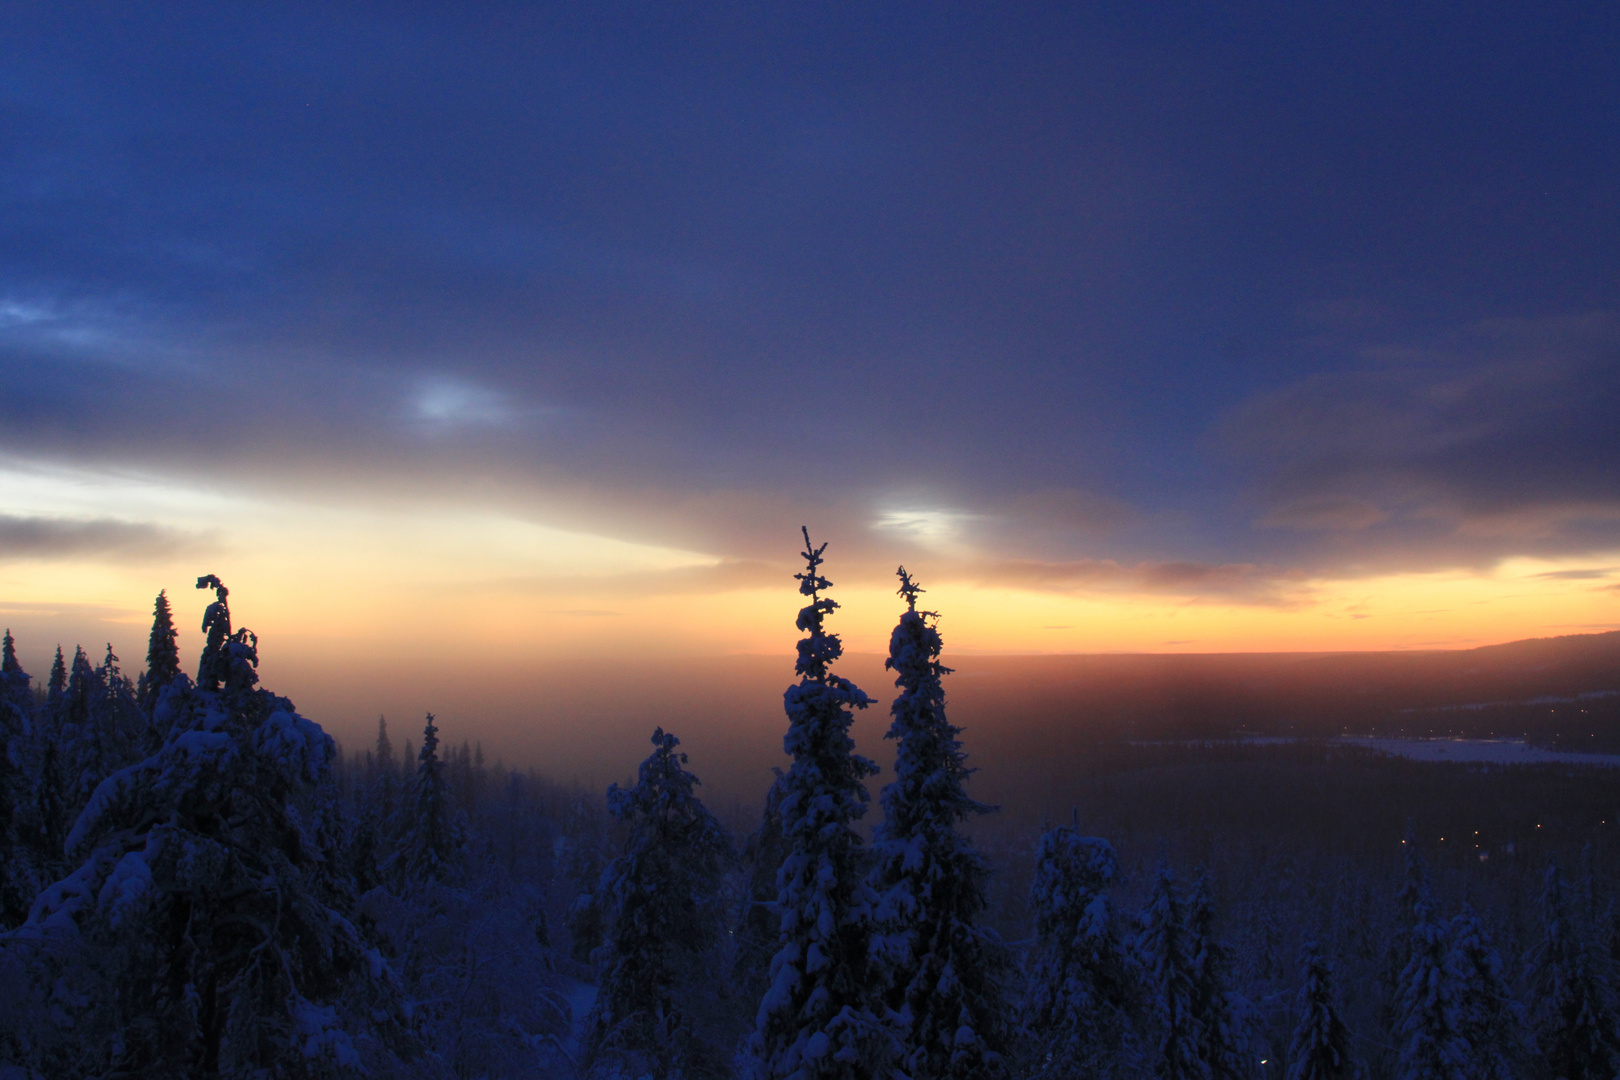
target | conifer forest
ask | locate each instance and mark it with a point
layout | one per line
(196, 881)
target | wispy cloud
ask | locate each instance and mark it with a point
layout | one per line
(28, 538)
(1232, 582)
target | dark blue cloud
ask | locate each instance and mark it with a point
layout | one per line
(699, 272)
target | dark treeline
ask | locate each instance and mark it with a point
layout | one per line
(195, 881)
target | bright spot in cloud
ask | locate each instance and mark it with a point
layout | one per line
(441, 402)
(20, 313)
(935, 529)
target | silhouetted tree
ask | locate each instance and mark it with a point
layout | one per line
(162, 655)
(1320, 1049)
(1084, 994)
(1575, 1011)
(662, 915)
(945, 972)
(822, 1016)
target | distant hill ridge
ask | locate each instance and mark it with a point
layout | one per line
(1519, 687)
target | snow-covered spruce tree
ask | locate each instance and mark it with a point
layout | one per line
(1574, 1016)
(370, 848)
(1167, 956)
(115, 732)
(946, 975)
(1084, 999)
(431, 836)
(757, 926)
(1488, 1016)
(662, 916)
(205, 888)
(162, 655)
(50, 802)
(583, 854)
(1431, 1045)
(1321, 1048)
(822, 1018)
(15, 886)
(1221, 1014)
(1414, 895)
(56, 686)
(14, 681)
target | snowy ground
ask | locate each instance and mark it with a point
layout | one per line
(1487, 751)
(581, 996)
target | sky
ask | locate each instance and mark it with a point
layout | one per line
(471, 338)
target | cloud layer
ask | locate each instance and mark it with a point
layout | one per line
(1054, 298)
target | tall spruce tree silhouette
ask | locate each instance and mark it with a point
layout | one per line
(945, 973)
(162, 655)
(822, 1016)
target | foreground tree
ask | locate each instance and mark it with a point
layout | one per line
(662, 916)
(1083, 1003)
(1320, 1049)
(1575, 1022)
(1488, 1017)
(1221, 1014)
(1432, 1045)
(757, 926)
(205, 890)
(945, 973)
(14, 881)
(820, 1017)
(1168, 958)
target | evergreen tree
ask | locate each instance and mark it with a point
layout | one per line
(14, 681)
(758, 927)
(1320, 1049)
(582, 865)
(1575, 1010)
(75, 702)
(1220, 1014)
(50, 805)
(1084, 995)
(663, 920)
(14, 883)
(369, 851)
(432, 838)
(1168, 958)
(1414, 896)
(1488, 1017)
(55, 688)
(820, 1019)
(1431, 1043)
(162, 655)
(205, 883)
(945, 973)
